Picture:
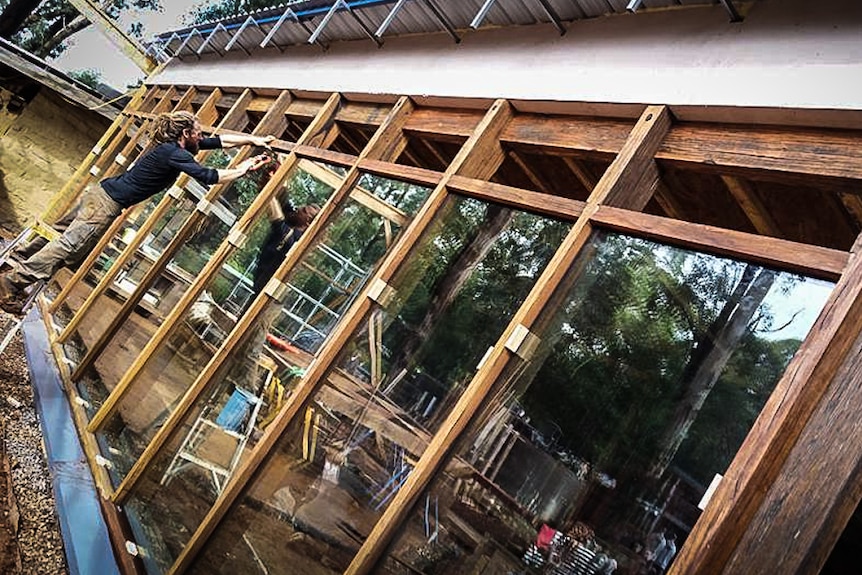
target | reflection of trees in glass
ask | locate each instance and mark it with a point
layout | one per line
(464, 285)
(648, 334)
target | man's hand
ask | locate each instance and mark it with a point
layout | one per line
(255, 163)
(265, 141)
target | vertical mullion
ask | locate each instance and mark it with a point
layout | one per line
(638, 150)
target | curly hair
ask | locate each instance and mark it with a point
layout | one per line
(169, 126)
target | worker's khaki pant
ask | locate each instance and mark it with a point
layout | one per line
(95, 213)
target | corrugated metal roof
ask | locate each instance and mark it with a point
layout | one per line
(326, 22)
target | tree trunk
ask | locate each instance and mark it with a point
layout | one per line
(14, 16)
(73, 28)
(709, 358)
(448, 286)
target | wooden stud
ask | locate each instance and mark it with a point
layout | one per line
(755, 211)
(586, 179)
(632, 177)
(531, 174)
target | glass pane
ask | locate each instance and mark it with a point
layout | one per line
(241, 400)
(193, 341)
(654, 363)
(341, 461)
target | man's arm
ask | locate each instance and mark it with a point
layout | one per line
(231, 140)
(244, 167)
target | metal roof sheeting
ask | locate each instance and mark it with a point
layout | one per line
(324, 22)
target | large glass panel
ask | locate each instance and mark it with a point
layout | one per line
(338, 465)
(593, 455)
(236, 405)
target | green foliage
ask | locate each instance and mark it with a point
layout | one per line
(629, 329)
(219, 9)
(46, 30)
(89, 77)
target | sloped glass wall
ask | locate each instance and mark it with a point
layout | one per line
(338, 465)
(593, 455)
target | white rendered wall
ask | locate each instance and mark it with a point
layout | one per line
(787, 53)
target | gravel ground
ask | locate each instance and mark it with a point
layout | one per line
(39, 539)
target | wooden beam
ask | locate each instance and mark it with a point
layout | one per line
(535, 178)
(818, 488)
(815, 261)
(580, 171)
(746, 196)
(361, 196)
(595, 137)
(387, 142)
(410, 174)
(755, 482)
(632, 177)
(445, 125)
(826, 153)
(525, 200)
(127, 44)
(208, 111)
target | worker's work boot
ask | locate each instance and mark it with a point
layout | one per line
(12, 298)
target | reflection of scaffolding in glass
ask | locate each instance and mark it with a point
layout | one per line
(307, 318)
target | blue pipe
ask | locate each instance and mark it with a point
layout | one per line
(311, 12)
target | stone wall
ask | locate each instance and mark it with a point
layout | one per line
(40, 148)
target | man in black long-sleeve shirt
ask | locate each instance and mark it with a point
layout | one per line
(178, 136)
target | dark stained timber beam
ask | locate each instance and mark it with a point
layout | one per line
(746, 196)
(805, 151)
(815, 261)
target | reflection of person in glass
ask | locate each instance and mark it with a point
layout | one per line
(664, 555)
(178, 138)
(286, 226)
